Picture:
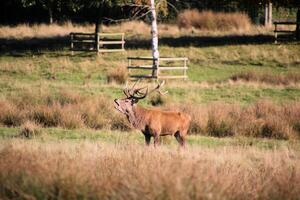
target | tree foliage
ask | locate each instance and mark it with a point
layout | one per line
(87, 10)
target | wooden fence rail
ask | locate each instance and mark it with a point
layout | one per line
(157, 67)
(279, 31)
(101, 42)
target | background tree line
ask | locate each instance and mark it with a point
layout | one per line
(103, 11)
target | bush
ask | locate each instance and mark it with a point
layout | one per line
(208, 20)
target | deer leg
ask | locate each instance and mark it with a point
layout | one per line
(156, 140)
(147, 139)
(180, 139)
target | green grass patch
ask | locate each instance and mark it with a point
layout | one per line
(116, 137)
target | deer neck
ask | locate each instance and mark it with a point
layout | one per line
(137, 117)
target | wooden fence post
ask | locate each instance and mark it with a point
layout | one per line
(185, 65)
(123, 41)
(98, 42)
(298, 25)
(276, 33)
(72, 44)
(157, 66)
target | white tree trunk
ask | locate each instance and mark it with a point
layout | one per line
(154, 32)
(50, 15)
(268, 14)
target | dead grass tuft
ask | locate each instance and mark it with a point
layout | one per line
(42, 30)
(10, 115)
(270, 78)
(136, 27)
(30, 129)
(208, 20)
(158, 100)
(262, 119)
(118, 75)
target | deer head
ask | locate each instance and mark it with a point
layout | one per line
(133, 96)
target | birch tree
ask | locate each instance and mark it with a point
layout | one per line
(154, 31)
(152, 8)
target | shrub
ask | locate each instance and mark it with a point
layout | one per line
(208, 20)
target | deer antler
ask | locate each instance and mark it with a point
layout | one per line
(135, 93)
(157, 88)
(138, 94)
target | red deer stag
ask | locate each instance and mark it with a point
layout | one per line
(152, 122)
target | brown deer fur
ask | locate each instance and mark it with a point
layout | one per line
(154, 122)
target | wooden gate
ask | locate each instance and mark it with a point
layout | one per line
(162, 68)
(101, 42)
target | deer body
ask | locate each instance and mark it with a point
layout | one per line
(154, 122)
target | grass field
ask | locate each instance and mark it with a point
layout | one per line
(60, 137)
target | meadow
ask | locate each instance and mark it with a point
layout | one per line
(60, 137)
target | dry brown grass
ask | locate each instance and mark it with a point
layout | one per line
(42, 30)
(208, 20)
(10, 114)
(65, 109)
(269, 78)
(30, 129)
(89, 170)
(136, 28)
(131, 27)
(261, 119)
(118, 75)
(72, 111)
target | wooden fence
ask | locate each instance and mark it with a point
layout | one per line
(162, 68)
(101, 42)
(286, 32)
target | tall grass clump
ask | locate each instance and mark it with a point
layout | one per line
(118, 75)
(89, 170)
(261, 119)
(215, 21)
(64, 109)
(10, 115)
(269, 78)
(30, 129)
(22, 31)
(72, 111)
